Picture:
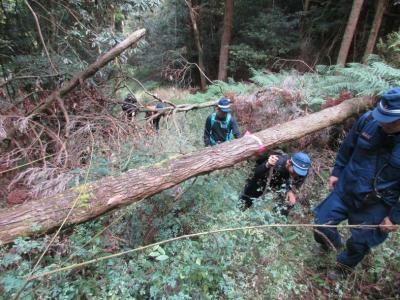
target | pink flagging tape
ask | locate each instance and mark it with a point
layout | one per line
(261, 147)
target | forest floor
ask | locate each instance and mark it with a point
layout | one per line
(278, 262)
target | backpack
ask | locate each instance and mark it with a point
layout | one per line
(223, 124)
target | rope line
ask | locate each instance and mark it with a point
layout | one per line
(186, 236)
(129, 209)
(27, 164)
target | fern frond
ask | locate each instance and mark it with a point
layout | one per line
(262, 79)
(383, 70)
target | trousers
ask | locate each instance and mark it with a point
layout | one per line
(334, 210)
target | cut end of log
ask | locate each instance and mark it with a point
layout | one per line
(115, 200)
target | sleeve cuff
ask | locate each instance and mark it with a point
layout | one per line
(336, 171)
(394, 217)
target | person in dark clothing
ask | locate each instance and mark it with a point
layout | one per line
(130, 106)
(149, 114)
(365, 184)
(156, 120)
(279, 171)
(221, 126)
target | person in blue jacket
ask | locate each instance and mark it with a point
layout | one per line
(365, 184)
(221, 126)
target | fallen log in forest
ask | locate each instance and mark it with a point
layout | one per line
(79, 78)
(96, 198)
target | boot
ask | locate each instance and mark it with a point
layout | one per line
(340, 272)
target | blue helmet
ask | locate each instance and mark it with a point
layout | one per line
(301, 163)
(388, 108)
(224, 104)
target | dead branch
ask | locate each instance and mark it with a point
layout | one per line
(7, 81)
(147, 92)
(82, 76)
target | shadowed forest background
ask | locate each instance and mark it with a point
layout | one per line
(66, 68)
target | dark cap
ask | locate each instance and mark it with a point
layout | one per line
(388, 108)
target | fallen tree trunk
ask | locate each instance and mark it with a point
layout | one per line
(96, 198)
(85, 74)
(91, 69)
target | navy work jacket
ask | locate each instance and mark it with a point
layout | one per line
(369, 161)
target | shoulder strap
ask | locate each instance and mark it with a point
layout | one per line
(364, 123)
(212, 120)
(361, 126)
(229, 135)
(228, 119)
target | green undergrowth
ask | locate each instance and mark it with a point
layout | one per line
(244, 264)
(268, 263)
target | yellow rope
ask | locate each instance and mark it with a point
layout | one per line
(27, 164)
(255, 227)
(109, 225)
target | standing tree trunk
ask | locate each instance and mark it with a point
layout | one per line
(349, 32)
(376, 25)
(199, 47)
(52, 35)
(307, 52)
(225, 41)
(96, 198)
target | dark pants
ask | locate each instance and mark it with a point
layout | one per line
(156, 122)
(254, 189)
(333, 211)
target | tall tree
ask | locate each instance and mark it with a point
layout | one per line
(376, 25)
(199, 47)
(349, 32)
(225, 41)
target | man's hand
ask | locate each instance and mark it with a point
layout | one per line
(291, 198)
(332, 182)
(387, 226)
(272, 160)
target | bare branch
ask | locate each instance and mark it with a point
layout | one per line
(41, 37)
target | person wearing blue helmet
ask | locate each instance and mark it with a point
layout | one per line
(220, 126)
(274, 170)
(365, 185)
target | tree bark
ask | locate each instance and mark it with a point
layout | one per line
(349, 32)
(376, 25)
(199, 47)
(225, 41)
(306, 5)
(306, 50)
(96, 198)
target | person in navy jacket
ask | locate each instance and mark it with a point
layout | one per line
(365, 183)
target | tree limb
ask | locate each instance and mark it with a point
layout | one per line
(80, 77)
